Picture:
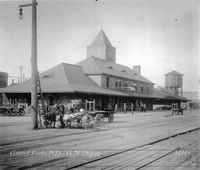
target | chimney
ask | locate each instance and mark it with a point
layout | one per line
(137, 69)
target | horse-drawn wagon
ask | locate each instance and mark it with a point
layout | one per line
(87, 119)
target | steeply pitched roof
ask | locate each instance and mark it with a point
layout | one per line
(93, 65)
(63, 78)
(100, 39)
(174, 73)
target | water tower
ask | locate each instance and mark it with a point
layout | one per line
(174, 82)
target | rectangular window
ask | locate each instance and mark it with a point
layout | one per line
(136, 89)
(125, 84)
(120, 84)
(142, 89)
(147, 90)
(107, 82)
(116, 84)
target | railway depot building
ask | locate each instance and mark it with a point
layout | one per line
(97, 81)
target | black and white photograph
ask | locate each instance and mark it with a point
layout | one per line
(100, 84)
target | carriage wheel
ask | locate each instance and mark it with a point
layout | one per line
(46, 124)
(8, 113)
(21, 112)
(67, 123)
(87, 121)
(99, 118)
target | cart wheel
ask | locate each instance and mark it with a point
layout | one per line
(99, 118)
(87, 121)
(45, 124)
(21, 112)
(8, 112)
(14, 113)
(68, 123)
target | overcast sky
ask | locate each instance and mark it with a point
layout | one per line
(159, 35)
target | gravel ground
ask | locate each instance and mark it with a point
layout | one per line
(126, 131)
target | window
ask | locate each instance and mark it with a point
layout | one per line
(136, 88)
(147, 90)
(107, 82)
(120, 84)
(125, 84)
(116, 84)
(142, 89)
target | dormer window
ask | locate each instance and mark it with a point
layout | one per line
(110, 67)
(124, 71)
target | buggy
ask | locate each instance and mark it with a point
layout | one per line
(12, 110)
(176, 110)
(87, 119)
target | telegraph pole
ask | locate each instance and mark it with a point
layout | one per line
(34, 101)
(34, 67)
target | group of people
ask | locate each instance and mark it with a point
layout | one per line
(141, 107)
(51, 114)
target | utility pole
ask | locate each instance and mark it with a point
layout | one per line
(34, 67)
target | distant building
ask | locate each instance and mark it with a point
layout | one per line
(98, 78)
(3, 79)
(194, 99)
(3, 83)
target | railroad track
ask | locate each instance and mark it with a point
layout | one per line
(120, 152)
(87, 139)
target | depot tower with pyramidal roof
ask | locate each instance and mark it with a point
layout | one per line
(102, 48)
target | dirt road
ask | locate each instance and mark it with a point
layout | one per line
(129, 139)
